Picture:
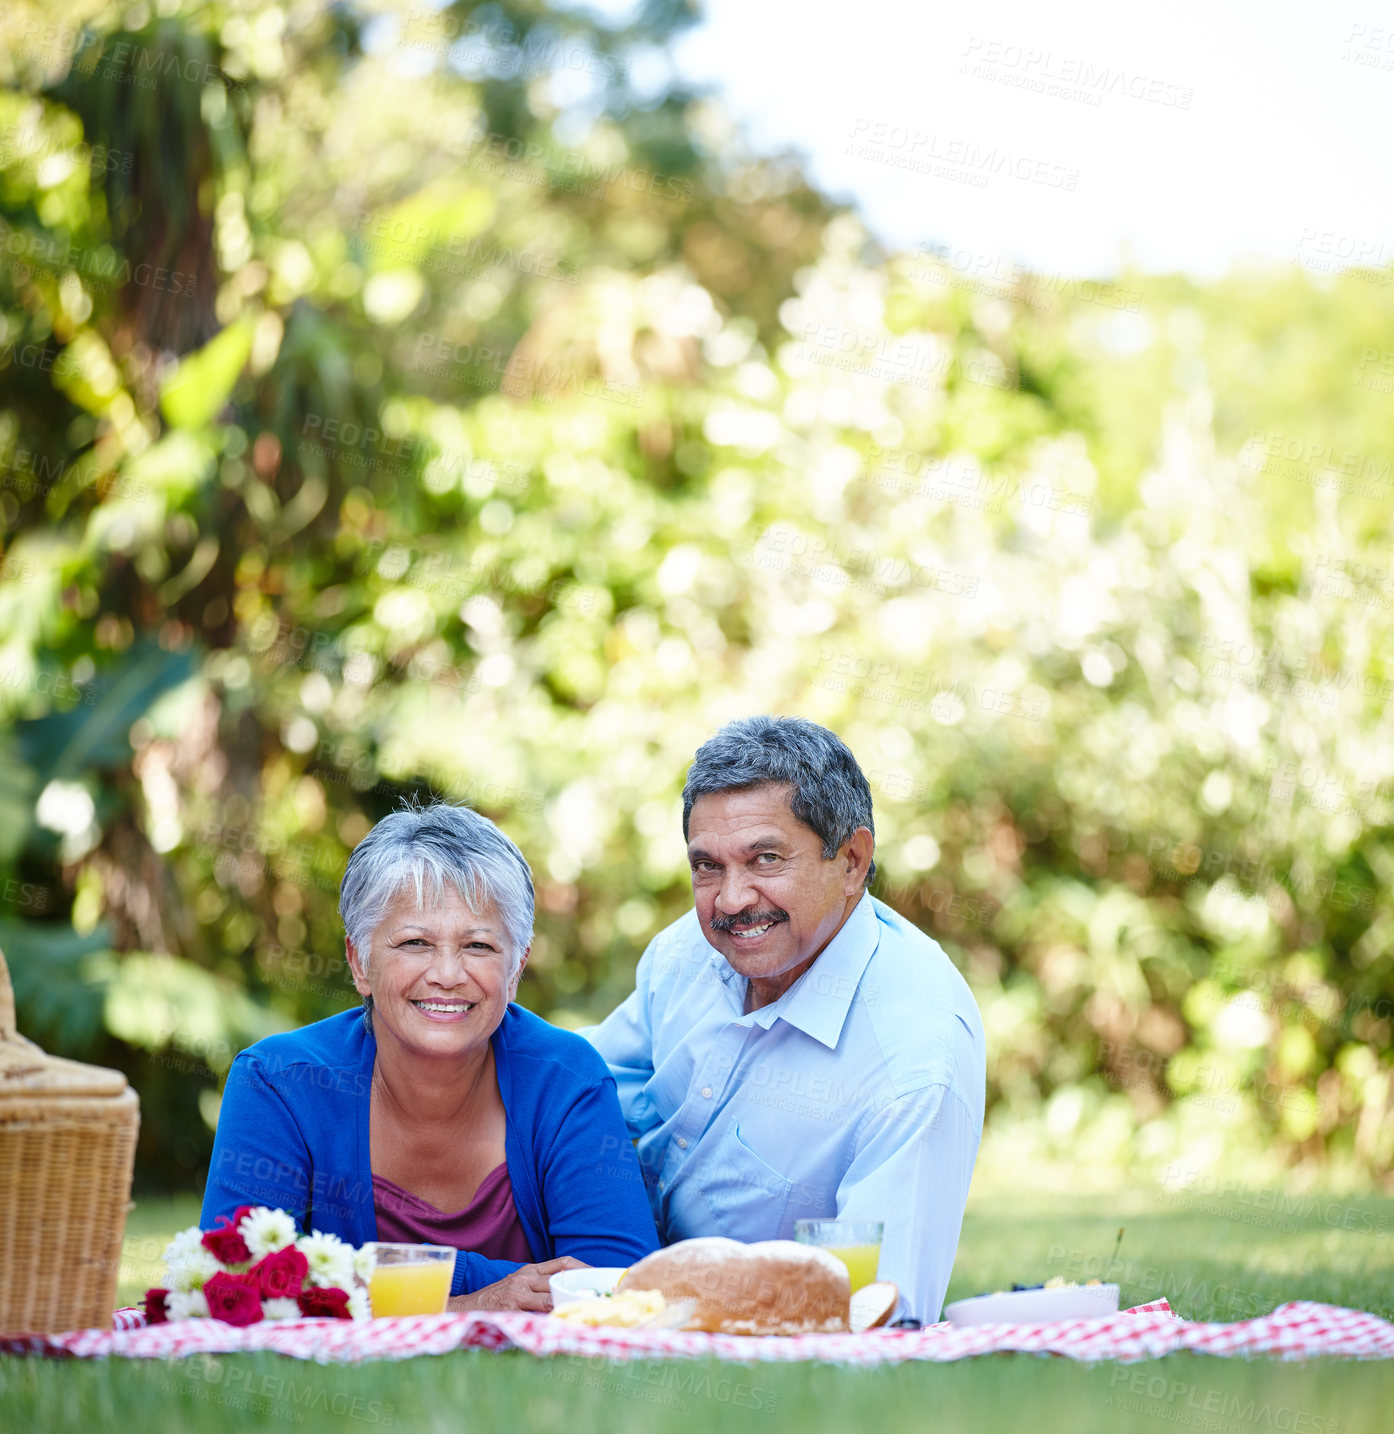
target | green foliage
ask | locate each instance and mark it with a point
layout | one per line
(200, 384)
(57, 983)
(374, 425)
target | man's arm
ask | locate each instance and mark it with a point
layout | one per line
(625, 1041)
(912, 1168)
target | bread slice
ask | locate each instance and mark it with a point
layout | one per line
(873, 1305)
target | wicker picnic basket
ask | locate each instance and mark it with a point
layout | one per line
(67, 1146)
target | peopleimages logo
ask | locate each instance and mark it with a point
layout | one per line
(389, 236)
(1066, 76)
(103, 265)
(981, 271)
(952, 157)
(1207, 1408)
(1177, 1181)
(570, 166)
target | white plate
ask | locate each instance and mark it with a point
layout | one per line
(568, 1286)
(1036, 1306)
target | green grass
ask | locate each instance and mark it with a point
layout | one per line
(1220, 1258)
(1223, 1259)
(148, 1230)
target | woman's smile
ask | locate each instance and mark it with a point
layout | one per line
(435, 1009)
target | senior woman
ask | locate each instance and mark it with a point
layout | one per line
(442, 1113)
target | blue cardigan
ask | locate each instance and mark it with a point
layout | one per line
(293, 1134)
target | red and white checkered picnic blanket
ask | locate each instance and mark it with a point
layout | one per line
(1300, 1330)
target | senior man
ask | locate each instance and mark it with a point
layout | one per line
(793, 1048)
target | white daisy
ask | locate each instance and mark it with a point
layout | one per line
(184, 1243)
(331, 1261)
(186, 1304)
(358, 1306)
(365, 1261)
(280, 1309)
(188, 1262)
(267, 1231)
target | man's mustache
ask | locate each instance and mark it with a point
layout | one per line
(758, 918)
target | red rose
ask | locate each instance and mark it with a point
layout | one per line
(332, 1303)
(225, 1244)
(234, 1299)
(155, 1312)
(238, 1213)
(279, 1275)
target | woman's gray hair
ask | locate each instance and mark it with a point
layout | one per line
(429, 848)
(830, 793)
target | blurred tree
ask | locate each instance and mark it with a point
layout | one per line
(399, 400)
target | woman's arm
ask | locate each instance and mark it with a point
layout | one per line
(473, 1272)
(597, 1208)
(259, 1154)
(527, 1288)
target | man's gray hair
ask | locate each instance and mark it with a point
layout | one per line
(830, 794)
(427, 848)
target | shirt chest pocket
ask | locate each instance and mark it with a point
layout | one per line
(748, 1198)
(663, 1094)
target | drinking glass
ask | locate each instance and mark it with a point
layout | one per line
(857, 1243)
(410, 1279)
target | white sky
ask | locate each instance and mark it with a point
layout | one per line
(1284, 152)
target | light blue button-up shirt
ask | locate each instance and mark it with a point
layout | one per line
(857, 1095)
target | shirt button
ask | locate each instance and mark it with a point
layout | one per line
(706, 1092)
(682, 1143)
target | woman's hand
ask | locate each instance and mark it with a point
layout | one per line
(525, 1289)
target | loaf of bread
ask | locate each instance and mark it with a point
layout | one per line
(771, 1287)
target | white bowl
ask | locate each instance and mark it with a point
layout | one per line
(569, 1286)
(1036, 1306)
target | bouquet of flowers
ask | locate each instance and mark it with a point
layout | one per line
(254, 1267)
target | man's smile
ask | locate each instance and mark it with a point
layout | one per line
(748, 929)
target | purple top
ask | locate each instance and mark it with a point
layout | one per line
(487, 1226)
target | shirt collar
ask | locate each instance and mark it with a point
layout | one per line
(818, 1002)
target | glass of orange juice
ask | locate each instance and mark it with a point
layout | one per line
(857, 1243)
(410, 1279)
